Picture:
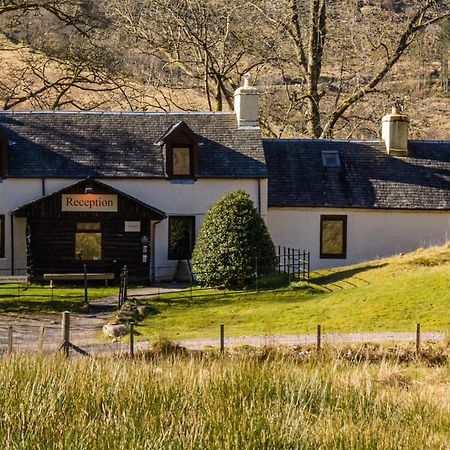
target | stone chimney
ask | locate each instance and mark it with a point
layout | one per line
(246, 105)
(395, 133)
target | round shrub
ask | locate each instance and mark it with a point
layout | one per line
(232, 244)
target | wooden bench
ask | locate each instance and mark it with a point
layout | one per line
(78, 276)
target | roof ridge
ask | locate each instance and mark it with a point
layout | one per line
(118, 113)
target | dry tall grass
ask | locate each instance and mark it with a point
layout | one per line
(228, 403)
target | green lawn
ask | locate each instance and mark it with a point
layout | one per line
(392, 294)
(42, 298)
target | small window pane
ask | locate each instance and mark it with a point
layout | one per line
(181, 237)
(88, 246)
(330, 159)
(333, 237)
(181, 161)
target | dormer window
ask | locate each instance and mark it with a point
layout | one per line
(182, 161)
(181, 153)
(330, 158)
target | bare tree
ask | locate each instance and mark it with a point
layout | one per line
(318, 34)
(201, 45)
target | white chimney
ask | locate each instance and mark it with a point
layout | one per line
(395, 133)
(246, 105)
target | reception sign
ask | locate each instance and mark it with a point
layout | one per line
(89, 202)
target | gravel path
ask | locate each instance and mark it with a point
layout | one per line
(303, 339)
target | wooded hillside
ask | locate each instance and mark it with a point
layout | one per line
(325, 68)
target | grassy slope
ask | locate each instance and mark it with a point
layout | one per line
(391, 294)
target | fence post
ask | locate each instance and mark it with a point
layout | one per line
(65, 332)
(222, 338)
(309, 266)
(417, 338)
(289, 264)
(86, 298)
(319, 337)
(256, 273)
(41, 340)
(132, 339)
(279, 260)
(125, 284)
(10, 340)
(304, 266)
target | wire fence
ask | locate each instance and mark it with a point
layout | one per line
(69, 336)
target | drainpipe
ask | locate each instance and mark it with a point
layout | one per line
(153, 249)
(259, 196)
(43, 187)
(11, 225)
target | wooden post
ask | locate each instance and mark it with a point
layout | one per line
(256, 274)
(222, 338)
(417, 338)
(65, 333)
(86, 298)
(319, 337)
(304, 266)
(279, 260)
(125, 287)
(309, 265)
(132, 339)
(119, 304)
(10, 340)
(41, 340)
(289, 263)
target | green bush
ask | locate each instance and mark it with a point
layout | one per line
(233, 242)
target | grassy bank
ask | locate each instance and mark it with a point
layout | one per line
(221, 403)
(391, 294)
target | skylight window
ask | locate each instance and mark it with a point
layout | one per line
(330, 158)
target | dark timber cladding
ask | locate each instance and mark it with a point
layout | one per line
(51, 230)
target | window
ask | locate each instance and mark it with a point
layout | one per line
(333, 236)
(88, 241)
(330, 158)
(181, 161)
(181, 236)
(2, 236)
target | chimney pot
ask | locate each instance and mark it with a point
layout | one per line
(246, 101)
(395, 132)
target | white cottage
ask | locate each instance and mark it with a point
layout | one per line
(110, 189)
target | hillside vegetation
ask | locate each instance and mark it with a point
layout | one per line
(391, 294)
(323, 68)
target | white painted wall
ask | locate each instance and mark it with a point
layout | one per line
(370, 233)
(174, 198)
(184, 198)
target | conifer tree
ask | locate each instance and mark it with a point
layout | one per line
(233, 244)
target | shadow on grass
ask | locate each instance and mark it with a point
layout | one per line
(42, 305)
(221, 298)
(342, 276)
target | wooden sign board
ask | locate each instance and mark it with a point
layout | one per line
(12, 279)
(132, 226)
(89, 202)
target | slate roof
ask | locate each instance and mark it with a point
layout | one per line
(368, 176)
(95, 144)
